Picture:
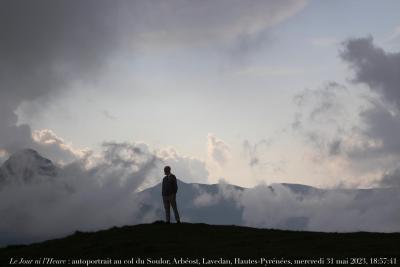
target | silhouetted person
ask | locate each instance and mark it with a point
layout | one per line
(169, 190)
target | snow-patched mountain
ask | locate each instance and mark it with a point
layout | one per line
(26, 166)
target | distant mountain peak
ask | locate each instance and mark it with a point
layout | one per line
(27, 152)
(26, 166)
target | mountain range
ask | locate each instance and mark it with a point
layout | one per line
(39, 201)
(204, 203)
(25, 167)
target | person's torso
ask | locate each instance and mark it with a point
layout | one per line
(168, 184)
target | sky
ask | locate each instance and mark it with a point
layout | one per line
(250, 92)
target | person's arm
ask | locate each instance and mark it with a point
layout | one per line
(163, 187)
(175, 185)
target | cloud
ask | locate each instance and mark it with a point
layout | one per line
(47, 46)
(367, 144)
(52, 146)
(208, 21)
(298, 207)
(205, 199)
(12, 136)
(351, 137)
(322, 117)
(218, 151)
(380, 121)
(88, 194)
(381, 72)
(187, 169)
(95, 191)
(225, 192)
(324, 101)
(3, 155)
(253, 151)
(265, 206)
(253, 32)
(381, 129)
(374, 67)
(108, 115)
(391, 179)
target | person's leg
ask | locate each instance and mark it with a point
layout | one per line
(175, 208)
(166, 208)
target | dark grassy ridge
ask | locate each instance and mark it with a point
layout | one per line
(210, 241)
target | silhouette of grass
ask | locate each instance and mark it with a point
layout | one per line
(210, 241)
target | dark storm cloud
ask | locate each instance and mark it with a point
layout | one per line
(46, 45)
(378, 145)
(373, 66)
(380, 71)
(383, 126)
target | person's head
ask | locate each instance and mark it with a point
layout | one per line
(167, 170)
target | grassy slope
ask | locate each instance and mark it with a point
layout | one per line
(211, 241)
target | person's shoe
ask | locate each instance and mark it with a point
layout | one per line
(178, 221)
(167, 222)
